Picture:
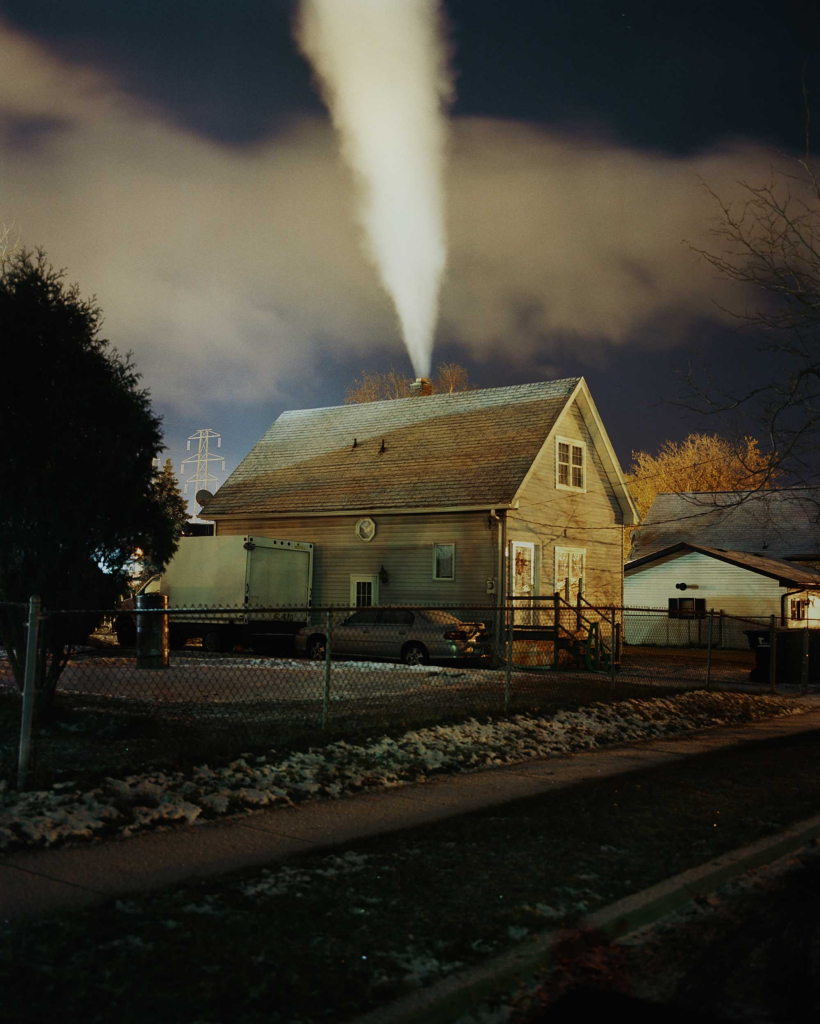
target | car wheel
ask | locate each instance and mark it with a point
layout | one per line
(316, 648)
(217, 641)
(126, 633)
(415, 654)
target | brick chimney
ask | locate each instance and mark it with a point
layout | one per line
(421, 386)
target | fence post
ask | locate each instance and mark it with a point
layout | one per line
(29, 683)
(328, 645)
(772, 655)
(153, 645)
(612, 649)
(720, 629)
(509, 658)
(556, 612)
(804, 665)
(709, 650)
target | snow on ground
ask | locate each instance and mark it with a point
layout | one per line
(199, 676)
(156, 799)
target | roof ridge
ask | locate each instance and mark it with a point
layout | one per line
(434, 396)
(754, 490)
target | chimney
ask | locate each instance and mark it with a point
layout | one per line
(421, 386)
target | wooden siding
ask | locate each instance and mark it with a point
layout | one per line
(737, 591)
(723, 587)
(557, 518)
(403, 545)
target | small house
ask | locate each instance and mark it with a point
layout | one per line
(746, 556)
(441, 499)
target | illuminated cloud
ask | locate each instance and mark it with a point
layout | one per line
(233, 274)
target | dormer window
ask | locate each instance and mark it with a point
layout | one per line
(570, 464)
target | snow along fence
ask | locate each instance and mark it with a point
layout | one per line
(155, 679)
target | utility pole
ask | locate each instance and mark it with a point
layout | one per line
(203, 478)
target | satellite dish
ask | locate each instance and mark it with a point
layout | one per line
(203, 496)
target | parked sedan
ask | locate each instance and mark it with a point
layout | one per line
(399, 634)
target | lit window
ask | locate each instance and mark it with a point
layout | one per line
(798, 608)
(570, 464)
(444, 561)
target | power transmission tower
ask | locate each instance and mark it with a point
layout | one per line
(203, 459)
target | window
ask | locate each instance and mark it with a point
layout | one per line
(569, 565)
(798, 608)
(570, 461)
(396, 617)
(444, 561)
(364, 593)
(687, 608)
(367, 618)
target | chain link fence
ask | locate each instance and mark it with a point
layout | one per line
(161, 686)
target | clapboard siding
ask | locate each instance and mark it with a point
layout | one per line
(737, 591)
(403, 545)
(591, 520)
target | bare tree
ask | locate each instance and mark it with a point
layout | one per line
(8, 245)
(379, 387)
(770, 241)
(451, 377)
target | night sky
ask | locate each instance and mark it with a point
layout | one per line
(177, 160)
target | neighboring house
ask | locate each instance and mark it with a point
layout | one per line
(448, 499)
(745, 554)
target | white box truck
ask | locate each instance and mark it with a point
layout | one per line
(236, 575)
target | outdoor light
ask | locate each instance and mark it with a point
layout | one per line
(680, 586)
(383, 575)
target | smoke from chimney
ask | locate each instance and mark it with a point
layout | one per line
(382, 67)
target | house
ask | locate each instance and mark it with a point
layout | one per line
(441, 499)
(745, 555)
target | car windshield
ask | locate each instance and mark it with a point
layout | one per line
(440, 618)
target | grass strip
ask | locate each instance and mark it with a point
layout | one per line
(328, 936)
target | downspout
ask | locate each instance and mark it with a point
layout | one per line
(501, 594)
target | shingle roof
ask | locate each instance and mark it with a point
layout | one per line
(780, 524)
(776, 568)
(466, 448)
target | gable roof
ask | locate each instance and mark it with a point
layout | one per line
(777, 523)
(466, 449)
(786, 573)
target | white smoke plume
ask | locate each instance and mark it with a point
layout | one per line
(382, 68)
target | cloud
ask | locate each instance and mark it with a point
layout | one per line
(233, 273)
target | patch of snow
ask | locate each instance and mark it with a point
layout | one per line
(157, 799)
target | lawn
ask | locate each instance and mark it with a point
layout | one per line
(324, 937)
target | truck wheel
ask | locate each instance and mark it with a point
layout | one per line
(126, 631)
(415, 654)
(217, 641)
(316, 647)
(176, 639)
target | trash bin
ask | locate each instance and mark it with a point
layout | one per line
(789, 644)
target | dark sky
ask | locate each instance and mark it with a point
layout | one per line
(662, 84)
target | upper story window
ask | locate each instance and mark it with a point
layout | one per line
(570, 462)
